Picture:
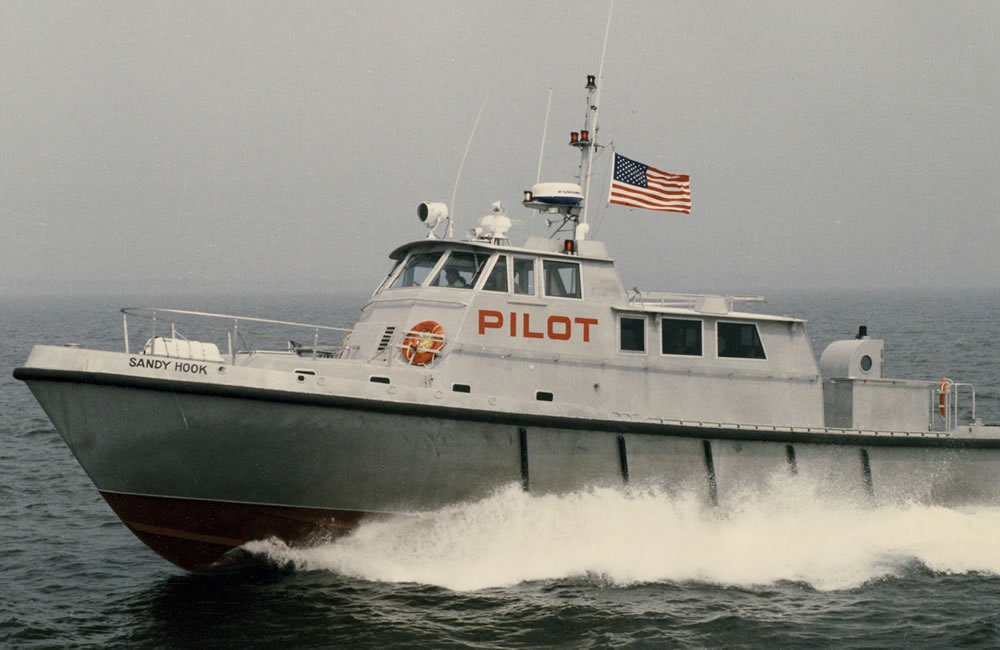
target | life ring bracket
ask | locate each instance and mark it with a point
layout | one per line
(423, 342)
(944, 391)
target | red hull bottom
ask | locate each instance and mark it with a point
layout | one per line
(195, 534)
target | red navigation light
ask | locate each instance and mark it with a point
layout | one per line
(584, 136)
(574, 137)
(569, 246)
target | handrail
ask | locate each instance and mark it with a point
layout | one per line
(688, 300)
(136, 311)
(151, 314)
(950, 402)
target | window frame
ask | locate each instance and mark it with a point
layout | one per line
(645, 327)
(507, 271)
(433, 273)
(390, 277)
(756, 329)
(478, 267)
(564, 264)
(534, 275)
(701, 323)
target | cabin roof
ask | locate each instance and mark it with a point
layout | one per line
(537, 246)
(695, 312)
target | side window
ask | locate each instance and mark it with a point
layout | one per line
(562, 279)
(680, 336)
(740, 340)
(498, 276)
(460, 271)
(632, 332)
(524, 276)
(416, 270)
(395, 267)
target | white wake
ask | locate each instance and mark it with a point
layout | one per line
(639, 536)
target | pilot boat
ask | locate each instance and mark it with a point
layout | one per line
(476, 364)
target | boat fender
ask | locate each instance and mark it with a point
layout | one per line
(422, 342)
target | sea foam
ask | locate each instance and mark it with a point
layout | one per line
(789, 532)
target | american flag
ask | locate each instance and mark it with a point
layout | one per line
(642, 186)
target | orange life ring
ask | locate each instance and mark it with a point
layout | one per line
(943, 396)
(422, 342)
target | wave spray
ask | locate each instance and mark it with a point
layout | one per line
(789, 532)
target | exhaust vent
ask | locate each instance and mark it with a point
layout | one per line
(386, 337)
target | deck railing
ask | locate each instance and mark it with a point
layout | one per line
(946, 400)
(167, 322)
(696, 301)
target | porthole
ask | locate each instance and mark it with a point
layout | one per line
(866, 363)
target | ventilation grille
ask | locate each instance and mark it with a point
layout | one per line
(386, 337)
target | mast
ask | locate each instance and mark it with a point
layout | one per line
(585, 143)
(593, 100)
(568, 199)
(586, 140)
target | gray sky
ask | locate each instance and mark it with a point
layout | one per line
(241, 146)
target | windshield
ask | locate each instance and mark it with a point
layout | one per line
(460, 271)
(416, 270)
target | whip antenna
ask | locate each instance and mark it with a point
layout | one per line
(545, 129)
(451, 221)
(588, 151)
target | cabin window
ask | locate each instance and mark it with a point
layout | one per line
(497, 280)
(562, 279)
(416, 270)
(389, 276)
(680, 336)
(524, 276)
(632, 334)
(460, 271)
(739, 340)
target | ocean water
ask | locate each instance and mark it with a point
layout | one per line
(787, 567)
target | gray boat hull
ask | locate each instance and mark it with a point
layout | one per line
(196, 469)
